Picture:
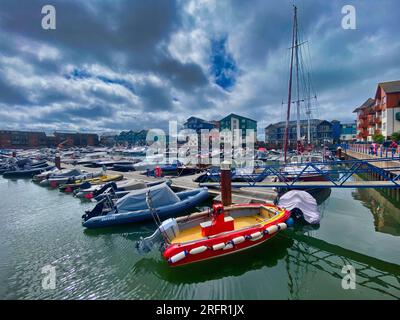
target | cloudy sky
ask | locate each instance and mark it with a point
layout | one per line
(117, 65)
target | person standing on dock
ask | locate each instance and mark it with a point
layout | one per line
(374, 149)
(393, 146)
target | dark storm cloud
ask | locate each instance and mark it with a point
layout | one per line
(109, 61)
(10, 95)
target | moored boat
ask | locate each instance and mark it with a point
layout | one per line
(76, 184)
(26, 172)
(55, 173)
(70, 177)
(133, 207)
(119, 188)
(225, 230)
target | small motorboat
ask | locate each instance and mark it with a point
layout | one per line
(149, 163)
(72, 176)
(210, 234)
(133, 207)
(27, 172)
(175, 168)
(55, 173)
(120, 188)
(45, 174)
(298, 170)
(69, 187)
(124, 167)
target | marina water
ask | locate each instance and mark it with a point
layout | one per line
(41, 227)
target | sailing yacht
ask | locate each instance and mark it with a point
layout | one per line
(297, 163)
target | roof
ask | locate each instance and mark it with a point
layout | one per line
(368, 103)
(194, 118)
(391, 86)
(236, 115)
(198, 119)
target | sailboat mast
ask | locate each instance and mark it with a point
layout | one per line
(296, 45)
(290, 87)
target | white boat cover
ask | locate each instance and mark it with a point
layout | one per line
(303, 201)
(161, 195)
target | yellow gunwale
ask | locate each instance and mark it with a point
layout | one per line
(243, 223)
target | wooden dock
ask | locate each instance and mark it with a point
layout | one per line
(239, 195)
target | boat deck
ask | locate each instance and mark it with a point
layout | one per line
(195, 232)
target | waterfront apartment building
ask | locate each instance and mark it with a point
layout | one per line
(380, 115)
(75, 139)
(199, 124)
(320, 132)
(348, 132)
(234, 121)
(365, 120)
(133, 138)
(22, 139)
(34, 139)
(344, 132)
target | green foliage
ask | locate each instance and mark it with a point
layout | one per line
(378, 138)
(396, 136)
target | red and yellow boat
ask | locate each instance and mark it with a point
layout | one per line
(218, 232)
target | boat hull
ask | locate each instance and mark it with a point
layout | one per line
(23, 174)
(189, 200)
(224, 243)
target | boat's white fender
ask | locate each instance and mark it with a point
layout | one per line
(218, 246)
(272, 229)
(198, 250)
(256, 235)
(238, 240)
(177, 257)
(228, 246)
(282, 226)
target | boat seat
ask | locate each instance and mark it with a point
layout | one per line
(205, 224)
(216, 226)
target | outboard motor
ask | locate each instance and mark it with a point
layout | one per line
(167, 231)
(111, 185)
(96, 211)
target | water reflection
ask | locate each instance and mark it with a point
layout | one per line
(386, 212)
(308, 253)
(302, 254)
(265, 255)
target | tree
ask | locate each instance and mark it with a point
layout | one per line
(396, 136)
(378, 138)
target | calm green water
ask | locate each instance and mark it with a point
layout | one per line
(42, 227)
